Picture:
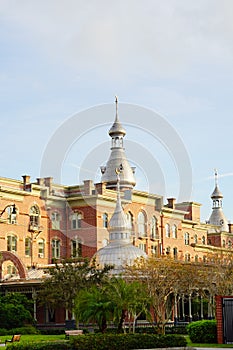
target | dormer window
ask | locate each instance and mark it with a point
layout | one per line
(11, 214)
(56, 218)
(34, 216)
(76, 221)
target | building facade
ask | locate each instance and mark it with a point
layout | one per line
(42, 222)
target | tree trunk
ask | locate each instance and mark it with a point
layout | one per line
(122, 319)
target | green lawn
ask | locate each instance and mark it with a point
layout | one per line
(40, 337)
(34, 337)
(190, 344)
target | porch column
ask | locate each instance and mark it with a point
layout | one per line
(34, 303)
(190, 308)
(201, 308)
(175, 309)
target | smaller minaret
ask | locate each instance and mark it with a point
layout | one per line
(118, 158)
(217, 216)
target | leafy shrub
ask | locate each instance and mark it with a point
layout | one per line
(20, 330)
(203, 331)
(176, 330)
(52, 331)
(126, 341)
(58, 345)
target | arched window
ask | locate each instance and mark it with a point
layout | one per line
(56, 218)
(129, 217)
(154, 250)
(34, 216)
(168, 250)
(153, 227)
(11, 243)
(167, 230)
(41, 248)
(76, 248)
(224, 243)
(28, 246)
(187, 257)
(174, 231)
(195, 238)
(56, 248)
(196, 258)
(229, 244)
(11, 214)
(203, 240)
(186, 238)
(76, 221)
(141, 224)
(105, 220)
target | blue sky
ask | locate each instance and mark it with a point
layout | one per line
(173, 57)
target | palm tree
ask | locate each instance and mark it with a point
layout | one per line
(93, 305)
(129, 300)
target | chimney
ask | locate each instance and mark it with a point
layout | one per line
(171, 203)
(26, 181)
(88, 187)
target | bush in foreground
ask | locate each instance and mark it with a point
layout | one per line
(126, 341)
(203, 331)
(58, 345)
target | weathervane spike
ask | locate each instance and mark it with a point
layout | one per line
(116, 101)
(216, 176)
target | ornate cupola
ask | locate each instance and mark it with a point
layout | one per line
(217, 216)
(118, 158)
(120, 251)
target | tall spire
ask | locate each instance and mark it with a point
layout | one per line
(116, 102)
(217, 216)
(216, 177)
(118, 225)
(117, 158)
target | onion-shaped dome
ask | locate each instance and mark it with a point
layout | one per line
(217, 193)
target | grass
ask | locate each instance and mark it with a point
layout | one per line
(205, 345)
(40, 337)
(34, 337)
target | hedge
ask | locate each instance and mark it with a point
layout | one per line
(43, 345)
(203, 331)
(126, 341)
(20, 330)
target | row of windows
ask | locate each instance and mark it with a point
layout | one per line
(76, 247)
(11, 213)
(195, 239)
(187, 256)
(12, 245)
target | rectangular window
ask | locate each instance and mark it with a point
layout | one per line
(56, 249)
(28, 247)
(55, 221)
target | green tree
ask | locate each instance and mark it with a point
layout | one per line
(15, 310)
(94, 305)
(129, 300)
(66, 279)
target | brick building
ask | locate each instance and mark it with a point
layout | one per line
(41, 221)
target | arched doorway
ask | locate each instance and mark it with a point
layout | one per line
(4, 256)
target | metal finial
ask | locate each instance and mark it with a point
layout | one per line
(116, 101)
(216, 176)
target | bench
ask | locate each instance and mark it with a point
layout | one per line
(14, 338)
(73, 332)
